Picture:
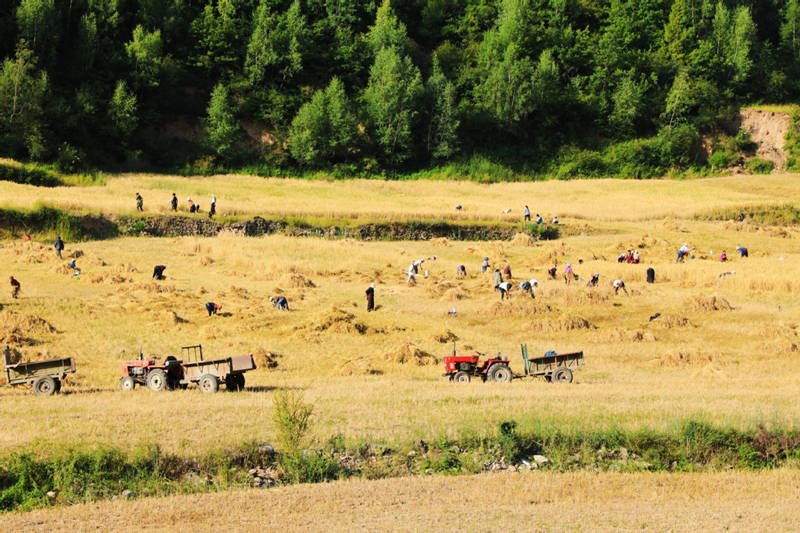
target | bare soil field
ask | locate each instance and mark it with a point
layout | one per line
(539, 501)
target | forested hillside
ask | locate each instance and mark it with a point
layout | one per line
(573, 87)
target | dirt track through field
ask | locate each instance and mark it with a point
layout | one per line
(488, 502)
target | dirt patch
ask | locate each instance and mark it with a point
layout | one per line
(410, 354)
(705, 303)
(768, 130)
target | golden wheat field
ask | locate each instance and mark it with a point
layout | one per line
(722, 349)
(741, 502)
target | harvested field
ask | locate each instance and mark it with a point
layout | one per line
(691, 346)
(523, 502)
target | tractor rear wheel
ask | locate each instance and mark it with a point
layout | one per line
(44, 386)
(562, 375)
(461, 377)
(127, 383)
(499, 372)
(208, 383)
(156, 380)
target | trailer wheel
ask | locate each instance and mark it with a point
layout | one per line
(127, 383)
(44, 386)
(499, 372)
(461, 377)
(156, 380)
(562, 375)
(208, 383)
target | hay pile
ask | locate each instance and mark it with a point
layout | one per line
(341, 321)
(439, 241)
(669, 321)
(623, 335)
(19, 329)
(705, 303)
(410, 354)
(684, 359)
(447, 336)
(520, 306)
(124, 268)
(360, 366)
(563, 322)
(522, 239)
(265, 359)
(296, 281)
(110, 277)
(206, 260)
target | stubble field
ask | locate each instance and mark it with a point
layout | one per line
(723, 350)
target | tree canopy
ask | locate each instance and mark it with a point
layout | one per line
(397, 84)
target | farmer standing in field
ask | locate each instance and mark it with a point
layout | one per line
(174, 202)
(371, 297)
(484, 265)
(213, 210)
(139, 202)
(497, 279)
(59, 246)
(15, 288)
(527, 213)
(507, 270)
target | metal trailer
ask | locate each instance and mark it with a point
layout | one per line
(555, 367)
(43, 376)
(209, 374)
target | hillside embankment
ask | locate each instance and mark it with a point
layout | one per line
(44, 220)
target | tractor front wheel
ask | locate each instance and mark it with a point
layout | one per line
(44, 386)
(461, 377)
(208, 383)
(127, 383)
(499, 372)
(156, 380)
(562, 375)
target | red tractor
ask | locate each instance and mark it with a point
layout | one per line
(156, 376)
(462, 368)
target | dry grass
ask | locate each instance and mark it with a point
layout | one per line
(692, 345)
(741, 502)
(598, 200)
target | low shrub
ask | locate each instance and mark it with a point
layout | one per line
(757, 165)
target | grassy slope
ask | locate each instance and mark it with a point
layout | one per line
(488, 502)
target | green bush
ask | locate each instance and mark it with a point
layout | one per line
(757, 165)
(29, 174)
(723, 159)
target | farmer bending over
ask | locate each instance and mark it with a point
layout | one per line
(527, 286)
(619, 284)
(212, 308)
(504, 288)
(158, 271)
(281, 303)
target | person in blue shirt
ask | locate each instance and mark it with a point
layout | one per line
(742, 251)
(280, 302)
